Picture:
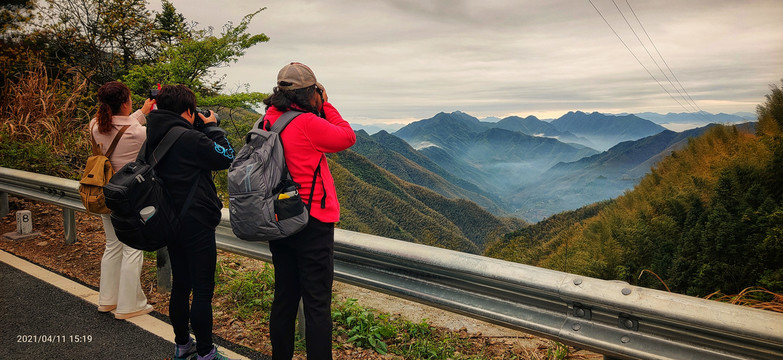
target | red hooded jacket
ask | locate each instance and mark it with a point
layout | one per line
(305, 140)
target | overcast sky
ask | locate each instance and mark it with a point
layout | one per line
(404, 60)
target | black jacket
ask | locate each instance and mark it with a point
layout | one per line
(192, 158)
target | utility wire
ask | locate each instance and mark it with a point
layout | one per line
(635, 57)
(651, 57)
(661, 56)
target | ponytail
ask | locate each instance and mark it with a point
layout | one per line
(111, 96)
(104, 118)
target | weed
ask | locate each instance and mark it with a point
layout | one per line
(250, 292)
(362, 327)
(755, 297)
(557, 351)
(43, 117)
(40, 107)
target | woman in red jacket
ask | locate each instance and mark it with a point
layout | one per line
(304, 262)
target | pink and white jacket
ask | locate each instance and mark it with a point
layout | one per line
(130, 142)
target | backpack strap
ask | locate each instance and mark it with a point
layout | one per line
(115, 141)
(189, 199)
(278, 127)
(163, 147)
(312, 188)
(283, 121)
(96, 149)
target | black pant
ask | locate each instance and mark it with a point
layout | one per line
(193, 258)
(304, 268)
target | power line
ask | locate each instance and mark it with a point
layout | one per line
(635, 57)
(651, 57)
(661, 56)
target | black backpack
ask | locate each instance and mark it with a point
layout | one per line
(142, 212)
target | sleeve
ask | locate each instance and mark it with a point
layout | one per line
(332, 134)
(214, 152)
(139, 116)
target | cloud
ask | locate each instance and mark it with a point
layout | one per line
(409, 59)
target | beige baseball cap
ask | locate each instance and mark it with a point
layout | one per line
(295, 76)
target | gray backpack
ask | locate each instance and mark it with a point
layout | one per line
(262, 197)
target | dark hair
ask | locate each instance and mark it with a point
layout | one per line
(176, 98)
(284, 100)
(111, 96)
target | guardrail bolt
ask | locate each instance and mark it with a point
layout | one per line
(582, 312)
(625, 339)
(576, 327)
(627, 322)
(577, 281)
(626, 291)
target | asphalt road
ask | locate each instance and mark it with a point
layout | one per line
(41, 321)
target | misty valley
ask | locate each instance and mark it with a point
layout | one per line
(531, 168)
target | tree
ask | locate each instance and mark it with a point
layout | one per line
(170, 25)
(192, 60)
(771, 124)
(13, 14)
(771, 112)
(102, 39)
(125, 28)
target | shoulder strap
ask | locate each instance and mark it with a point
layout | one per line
(284, 120)
(189, 199)
(115, 141)
(95, 150)
(312, 188)
(163, 147)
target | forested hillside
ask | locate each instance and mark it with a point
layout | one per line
(399, 158)
(599, 177)
(375, 201)
(707, 218)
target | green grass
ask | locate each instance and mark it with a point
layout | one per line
(249, 293)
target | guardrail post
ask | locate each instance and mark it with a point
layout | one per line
(4, 209)
(69, 226)
(164, 270)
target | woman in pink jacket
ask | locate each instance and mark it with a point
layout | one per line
(120, 286)
(304, 262)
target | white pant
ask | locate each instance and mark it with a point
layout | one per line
(120, 273)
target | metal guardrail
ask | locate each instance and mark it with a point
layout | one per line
(608, 317)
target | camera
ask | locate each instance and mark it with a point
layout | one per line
(153, 93)
(198, 124)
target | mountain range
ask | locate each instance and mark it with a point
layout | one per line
(604, 131)
(671, 121)
(505, 170)
(494, 158)
(697, 117)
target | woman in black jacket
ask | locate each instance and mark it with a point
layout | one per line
(186, 171)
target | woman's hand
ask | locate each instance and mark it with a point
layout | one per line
(147, 106)
(323, 91)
